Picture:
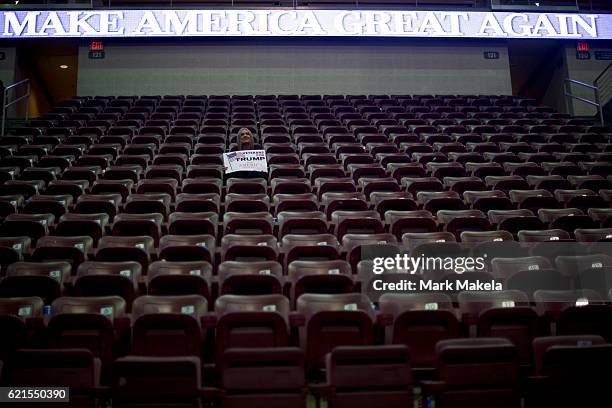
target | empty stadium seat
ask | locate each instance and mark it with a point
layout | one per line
(331, 321)
(16, 317)
(282, 367)
(77, 369)
(250, 322)
(141, 380)
(46, 280)
(490, 381)
(571, 374)
(174, 278)
(250, 278)
(166, 326)
(419, 320)
(373, 376)
(92, 323)
(502, 314)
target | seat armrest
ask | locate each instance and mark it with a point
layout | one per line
(431, 388)
(35, 323)
(537, 380)
(296, 319)
(210, 393)
(101, 392)
(384, 319)
(209, 321)
(469, 319)
(322, 390)
(122, 322)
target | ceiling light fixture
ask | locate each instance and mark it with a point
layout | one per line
(63, 66)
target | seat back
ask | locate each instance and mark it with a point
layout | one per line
(73, 368)
(168, 325)
(369, 376)
(333, 320)
(80, 322)
(139, 381)
(281, 368)
(251, 322)
(419, 321)
(477, 372)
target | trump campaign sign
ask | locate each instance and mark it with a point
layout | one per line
(245, 160)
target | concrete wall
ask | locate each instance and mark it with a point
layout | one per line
(295, 67)
(7, 66)
(8, 77)
(555, 94)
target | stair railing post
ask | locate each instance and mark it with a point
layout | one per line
(27, 104)
(599, 106)
(4, 94)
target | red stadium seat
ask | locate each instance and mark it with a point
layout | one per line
(77, 369)
(165, 326)
(368, 376)
(140, 380)
(174, 278)
(242, 371)
(419, 321)
(490, 381)
(251, 322)
(331, 321)
(88, 322)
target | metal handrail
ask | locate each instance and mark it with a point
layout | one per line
(6, 104)
(603, 82)
(596, 102)
(573, 81)
(604, 72)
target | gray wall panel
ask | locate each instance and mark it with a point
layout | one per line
(300, 68)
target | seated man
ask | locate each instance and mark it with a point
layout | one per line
(246, 141)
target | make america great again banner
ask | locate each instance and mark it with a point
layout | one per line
(302, 23)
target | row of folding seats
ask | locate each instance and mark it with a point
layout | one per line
(220, 100)
(163, 326)
(395, 212)
(297, 123)
(121, 109)
(57, 123)
(378, 192)
(95, 230)
(337, 212)
(450, 139)
(571, 371)
(359, 173)
(134, 173)
(169, 108)
(419, 159)
(300, 230)
(462, 148)
(191, 236)
(305, 264)
(447, 139)
(399, 174)
(273, 126)
(396, 148)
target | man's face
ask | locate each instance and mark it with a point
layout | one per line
(245, 137)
